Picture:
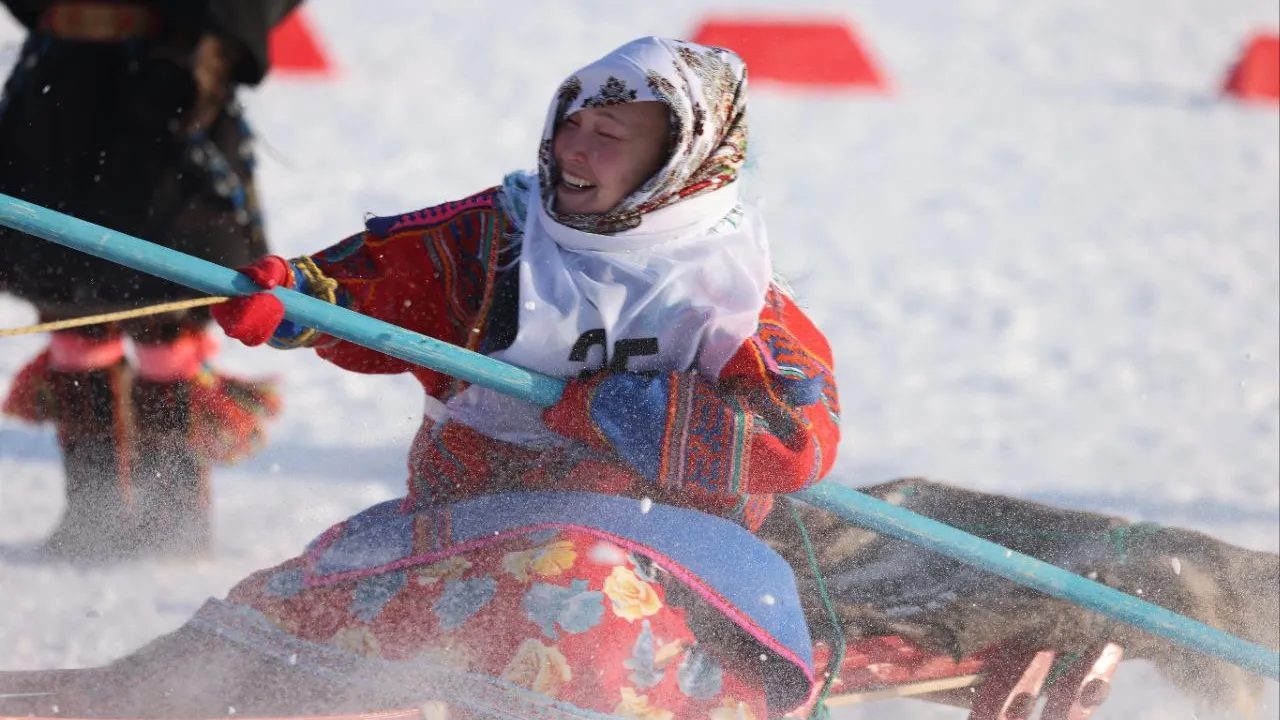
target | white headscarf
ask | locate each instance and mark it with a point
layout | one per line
(673, 278)
(705, 91)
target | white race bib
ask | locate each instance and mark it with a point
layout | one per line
(683, 290)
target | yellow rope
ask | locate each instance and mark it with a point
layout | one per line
(321, 286)
(111, 317)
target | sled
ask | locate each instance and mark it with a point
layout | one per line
(1003, 683)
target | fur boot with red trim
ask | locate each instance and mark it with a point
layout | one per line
(138, 442)
(81, 385)
(187, 417)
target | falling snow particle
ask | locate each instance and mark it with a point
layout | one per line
(45, 91)
(768, 600)
(293, 659)
(1177, 566)
(646, 505)
(530, 306)
(763, 657)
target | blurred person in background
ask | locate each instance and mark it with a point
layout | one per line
(124, 114)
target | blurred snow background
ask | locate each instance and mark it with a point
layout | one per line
(1048, 262)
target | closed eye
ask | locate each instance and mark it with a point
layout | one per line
(574, 122)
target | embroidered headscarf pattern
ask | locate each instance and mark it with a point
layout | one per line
(705, 91)
(613, 92)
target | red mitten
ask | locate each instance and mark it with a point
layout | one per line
(251, 319)
(268, 271)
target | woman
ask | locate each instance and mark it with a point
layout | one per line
(593, 558)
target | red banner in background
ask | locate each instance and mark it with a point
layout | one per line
(294, 48)
(1256, 75)
(796, 51)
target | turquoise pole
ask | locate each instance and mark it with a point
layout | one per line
(855, 507)
(877, 515)
(339, 322)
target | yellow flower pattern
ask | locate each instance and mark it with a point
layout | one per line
(447, 569)
(631, 597)
(547, 561)
(668, 653)
(281, 619)
(358, 640)
(537, 667)
(635, 705)
(732, 710)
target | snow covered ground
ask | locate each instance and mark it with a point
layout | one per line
(1048, 262)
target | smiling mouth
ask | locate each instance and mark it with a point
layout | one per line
(574, 182)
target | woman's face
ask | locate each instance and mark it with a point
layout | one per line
(605, 153)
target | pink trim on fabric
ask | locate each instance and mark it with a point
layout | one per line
(428, 216)
(679, 571)
(181, 359)
(323, 542)
(70, 352)
(766, 354)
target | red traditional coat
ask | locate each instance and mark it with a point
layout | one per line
(768, 424)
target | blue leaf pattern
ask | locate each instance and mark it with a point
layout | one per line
(542, 606)
(461, 599)
(582, 610)
(284, 584)
(699, 675)
(574, 608)
(374, 592)
(641, 663)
